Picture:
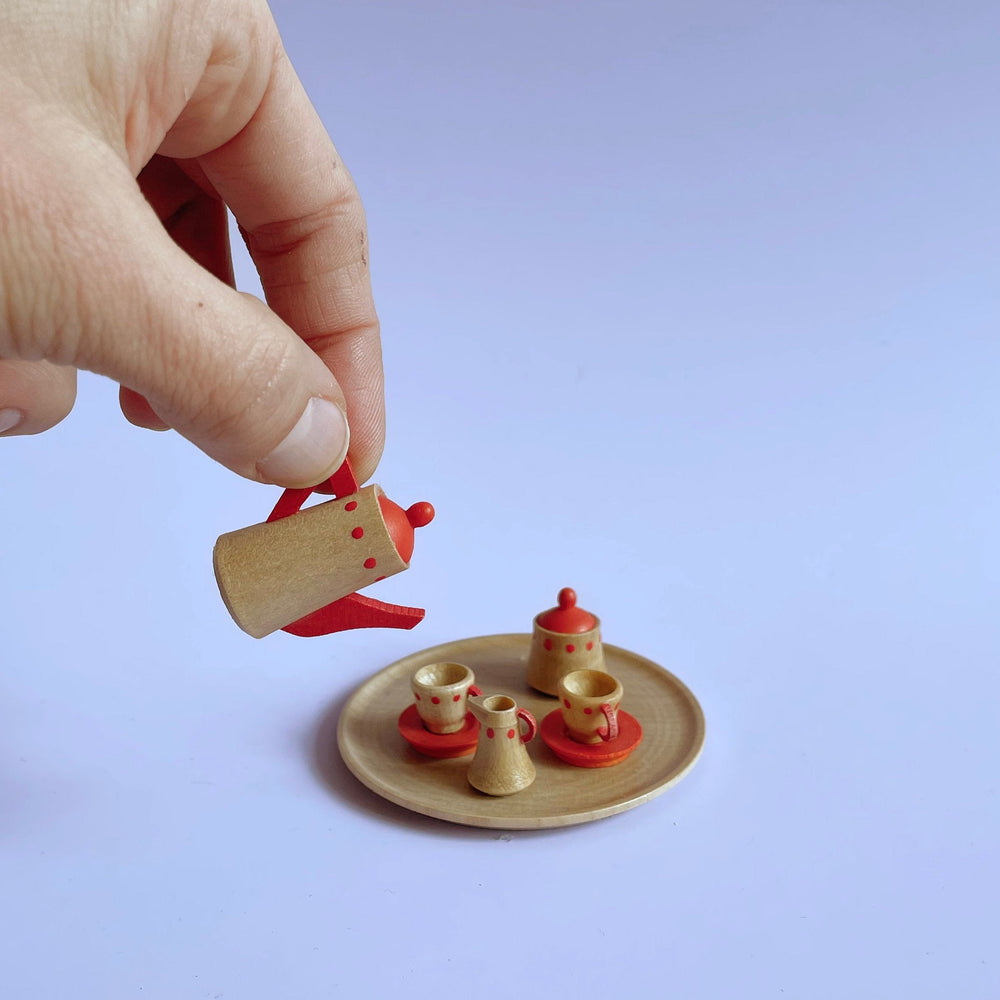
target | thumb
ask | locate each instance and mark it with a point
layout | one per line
(124, 300)
(225, 372)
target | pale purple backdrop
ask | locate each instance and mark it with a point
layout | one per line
(691, 306)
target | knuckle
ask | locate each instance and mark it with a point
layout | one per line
(231, 397)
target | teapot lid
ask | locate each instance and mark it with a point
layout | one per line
(567, 618)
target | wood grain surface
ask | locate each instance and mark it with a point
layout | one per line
(375, 752)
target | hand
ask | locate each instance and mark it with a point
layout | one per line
(125, 130)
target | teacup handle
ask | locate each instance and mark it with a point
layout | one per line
(610, 731)
(475, 691)
(529, 720)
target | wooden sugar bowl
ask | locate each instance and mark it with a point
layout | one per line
(564, 638)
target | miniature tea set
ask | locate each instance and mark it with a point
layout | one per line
(450, 717)
(302, 570)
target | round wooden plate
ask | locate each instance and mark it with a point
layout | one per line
(369, 740)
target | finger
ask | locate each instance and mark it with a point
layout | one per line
(197, 220)
(34, 396)
(121, 298)
(305, 228)
(193, 214)
(137, 410)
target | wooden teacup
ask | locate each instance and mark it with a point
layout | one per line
(441, 692)
(590, 700)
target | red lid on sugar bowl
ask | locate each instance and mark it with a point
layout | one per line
(567, 618)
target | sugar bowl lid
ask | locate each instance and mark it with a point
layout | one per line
(567, 618)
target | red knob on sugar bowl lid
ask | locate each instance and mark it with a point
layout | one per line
(566, 617)
(564, 638)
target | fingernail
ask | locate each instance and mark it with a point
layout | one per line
(314, 449)
(9, 419)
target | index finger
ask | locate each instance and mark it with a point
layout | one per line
(304, 226)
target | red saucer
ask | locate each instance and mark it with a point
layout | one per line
(439, 745)
(603, 754)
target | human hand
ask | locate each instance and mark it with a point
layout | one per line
(125, 130)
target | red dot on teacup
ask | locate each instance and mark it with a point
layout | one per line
(590, 646)
(489, 733)
(351, 505)
(370, 564)
(565, 701)
(510, 734)
(417, 696)
(456, 697)
(547, 644)
(358, 532)
(588, 711)
(570, 648)
(435, 700)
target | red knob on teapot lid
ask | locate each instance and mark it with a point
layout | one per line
(401, 523)
(567, 617)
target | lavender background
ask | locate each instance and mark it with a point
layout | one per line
(691, 306)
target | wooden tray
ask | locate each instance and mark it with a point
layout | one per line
(376, 753)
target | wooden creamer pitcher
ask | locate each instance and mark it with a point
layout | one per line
(501, 765)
